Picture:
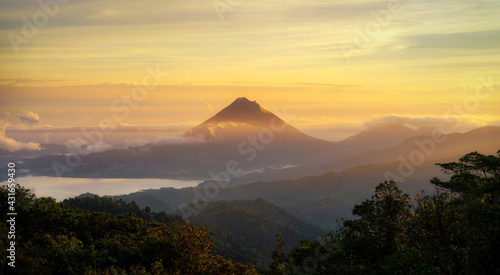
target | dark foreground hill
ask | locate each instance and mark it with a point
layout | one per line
(254, 224)
(52, 238)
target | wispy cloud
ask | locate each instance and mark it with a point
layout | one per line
(24, 81)
(29, 118)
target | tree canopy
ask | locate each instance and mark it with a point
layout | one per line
(53, 238)
(456, 230)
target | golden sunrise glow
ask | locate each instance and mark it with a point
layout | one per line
(334, 65)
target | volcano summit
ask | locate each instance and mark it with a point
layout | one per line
(244, 118)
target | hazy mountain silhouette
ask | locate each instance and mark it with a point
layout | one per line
(244, 118)
(323, 198)
(318, 200)
(384, 135)
(484, 139)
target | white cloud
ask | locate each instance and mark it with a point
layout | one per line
(29, 118)
(178, 140)
(11, 144)
(82, 146)
(140, 142)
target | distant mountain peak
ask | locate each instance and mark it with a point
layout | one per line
(243, 99)
(240, 119)
(244, 102)
(242, 111)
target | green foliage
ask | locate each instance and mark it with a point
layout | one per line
(52, 238)
(278, 265)
(378, 229)
(465, 217)
(454, 231)
(115, 206)
(255, 223)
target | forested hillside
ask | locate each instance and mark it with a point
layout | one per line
(454, 230)
(53, 238)
(245, 230)
(115, 206)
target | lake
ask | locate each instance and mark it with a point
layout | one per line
(63, 188)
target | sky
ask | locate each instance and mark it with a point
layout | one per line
(162, 67)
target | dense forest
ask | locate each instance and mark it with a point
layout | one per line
(58, 238)
(455, 230)
(243, 231)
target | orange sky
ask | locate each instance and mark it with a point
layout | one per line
(336, 66)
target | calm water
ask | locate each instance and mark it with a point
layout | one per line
(63, 188)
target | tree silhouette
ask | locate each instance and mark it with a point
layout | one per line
(456, 230)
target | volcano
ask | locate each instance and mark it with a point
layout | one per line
(244, 118)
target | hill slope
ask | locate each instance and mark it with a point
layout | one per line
(245, 230)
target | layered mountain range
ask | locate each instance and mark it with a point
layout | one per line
(262, 146)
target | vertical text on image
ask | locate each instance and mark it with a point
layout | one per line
(11, 213)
